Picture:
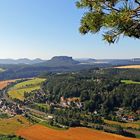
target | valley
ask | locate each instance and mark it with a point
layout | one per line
(70, 70)
(98, 101)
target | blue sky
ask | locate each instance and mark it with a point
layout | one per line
(46, 28)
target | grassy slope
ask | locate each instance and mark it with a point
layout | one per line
(10, 126)
(27, 86)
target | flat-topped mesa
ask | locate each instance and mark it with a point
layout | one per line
(62, 61)
(62, 58)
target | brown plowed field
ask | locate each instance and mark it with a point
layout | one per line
(38, 132)
(129, 67)
(4, 84)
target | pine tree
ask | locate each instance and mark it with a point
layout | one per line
(115, 17)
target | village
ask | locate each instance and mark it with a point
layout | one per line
(9, 108)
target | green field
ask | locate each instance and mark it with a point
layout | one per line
(18, 91)
(129, 82)
(2, 70)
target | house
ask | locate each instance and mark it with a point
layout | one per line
(138, 112)
(128, 118)
(50, 117)
(131, 118)
(95, 112)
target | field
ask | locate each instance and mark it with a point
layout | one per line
(38, 132)
(129, 82)
(129, 67)
(2, 70)
(10, 126)
(19, 89)
(135, 125)
(4, 84)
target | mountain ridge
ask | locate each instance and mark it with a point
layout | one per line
(69, 61)
(21, 61)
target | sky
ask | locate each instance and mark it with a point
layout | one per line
(47, 28)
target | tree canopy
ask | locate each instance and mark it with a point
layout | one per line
(115, 17)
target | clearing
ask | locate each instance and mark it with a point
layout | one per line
(38, 132)
(18, 91)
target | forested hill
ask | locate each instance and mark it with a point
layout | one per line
(99, 89)
(23, 68)
(26, 71)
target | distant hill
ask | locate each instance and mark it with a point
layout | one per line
(21, 61)
(23, 68)
(59, 61)
(86, 60)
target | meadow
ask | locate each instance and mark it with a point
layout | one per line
(129, 82)
(38, 132)
(18, 90)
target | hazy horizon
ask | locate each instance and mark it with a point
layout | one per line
(45, 28)
(76, 58)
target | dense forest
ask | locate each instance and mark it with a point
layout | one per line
(100, 89)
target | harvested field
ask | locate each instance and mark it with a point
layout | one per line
(38, 132)
(4, 84)
(129, 67)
